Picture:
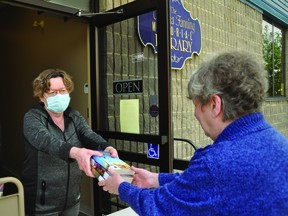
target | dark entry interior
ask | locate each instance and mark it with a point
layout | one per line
(113, 43)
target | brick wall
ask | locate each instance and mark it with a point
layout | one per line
(225, 24)
(276, 113)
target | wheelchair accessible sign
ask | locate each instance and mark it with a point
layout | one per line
(153, 151)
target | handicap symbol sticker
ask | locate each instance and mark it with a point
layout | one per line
(153, 151)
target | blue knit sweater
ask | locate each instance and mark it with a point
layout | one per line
(244, 172)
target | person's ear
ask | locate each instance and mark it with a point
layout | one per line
(216, 105)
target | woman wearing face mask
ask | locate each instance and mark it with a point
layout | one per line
(58, 147)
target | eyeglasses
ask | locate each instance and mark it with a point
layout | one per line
(54, 92)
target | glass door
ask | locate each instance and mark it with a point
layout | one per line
(130, 90)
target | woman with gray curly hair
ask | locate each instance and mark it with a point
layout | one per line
(243, 172)
(235, 81)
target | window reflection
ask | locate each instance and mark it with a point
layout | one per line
(272, 53)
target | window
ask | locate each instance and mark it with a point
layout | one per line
(273, 53)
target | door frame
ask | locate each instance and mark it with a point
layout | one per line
(131, 10)
(165, 137)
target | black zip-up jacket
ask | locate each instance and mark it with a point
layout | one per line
(50, 178)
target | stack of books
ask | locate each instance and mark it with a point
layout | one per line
(100, 166)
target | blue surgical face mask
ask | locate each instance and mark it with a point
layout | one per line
(58, 103)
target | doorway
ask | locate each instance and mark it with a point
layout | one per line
(130, 91)
(128, 61)
(31, 41)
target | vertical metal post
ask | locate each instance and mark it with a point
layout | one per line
(164, 84)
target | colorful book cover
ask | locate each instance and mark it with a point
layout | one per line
(100, 166)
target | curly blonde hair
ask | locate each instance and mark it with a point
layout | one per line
(41, 83)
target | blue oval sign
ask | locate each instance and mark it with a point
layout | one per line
(185, 33)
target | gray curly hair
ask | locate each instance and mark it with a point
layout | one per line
(237, 77)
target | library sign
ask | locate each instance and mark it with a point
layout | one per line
(185, 33)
